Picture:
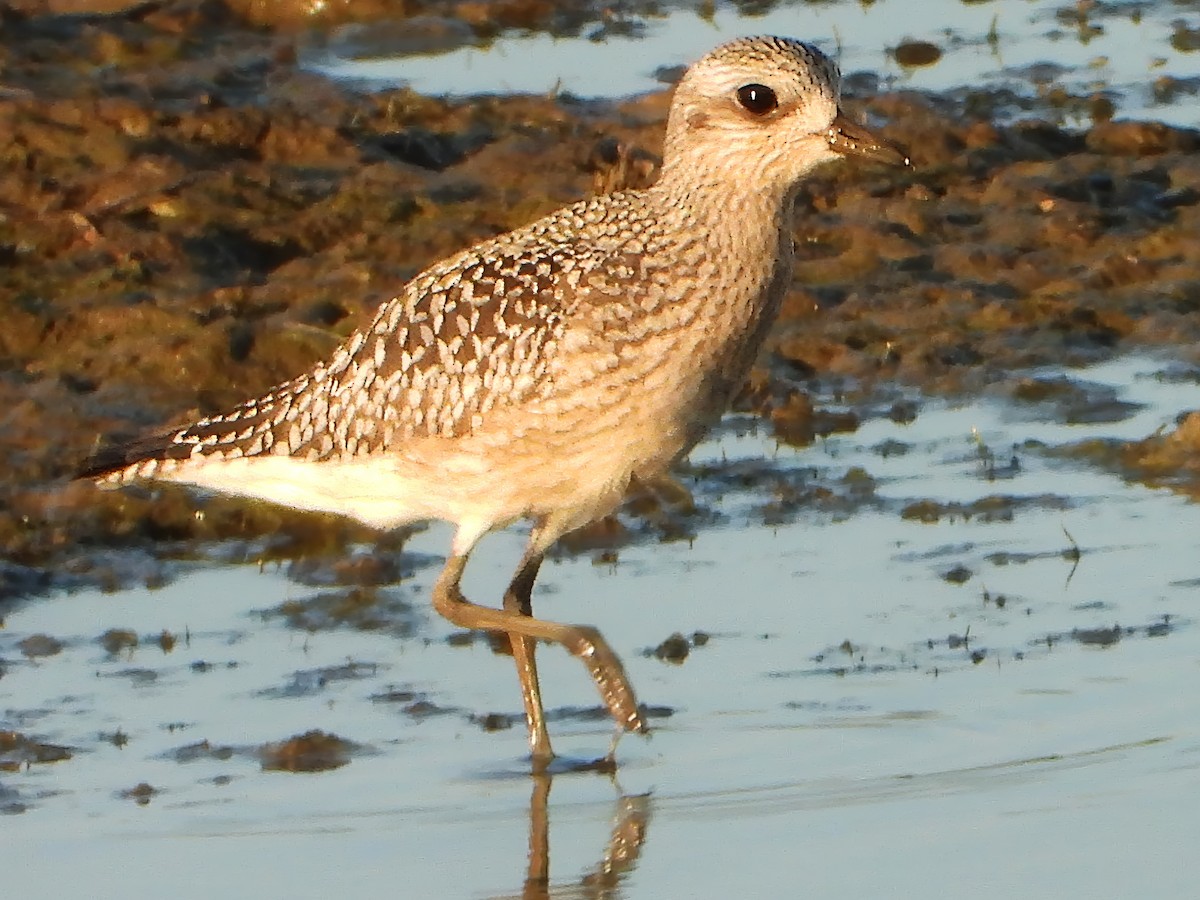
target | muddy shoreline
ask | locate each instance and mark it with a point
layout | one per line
(187, 217)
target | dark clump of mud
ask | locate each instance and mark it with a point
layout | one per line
(313, 751)
(202, 750)
(914, 54)
(1169, 459)
(187, 218)
(141, 794)
(677, 647)
(1072, 401)
(674, 649)
(992, 508)
(117, 640)
(18, 750)
(362, 608)
(39, 645)
(307, 682)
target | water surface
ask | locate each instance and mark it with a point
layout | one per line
(1142, 56)
(857, 722)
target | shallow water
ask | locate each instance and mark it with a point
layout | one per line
(830, 736)
(1031, 48)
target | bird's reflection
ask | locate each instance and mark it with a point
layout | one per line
(619, 857)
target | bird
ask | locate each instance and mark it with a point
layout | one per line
(539, 374)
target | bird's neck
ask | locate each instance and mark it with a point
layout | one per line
(742, 241)
(757, 212)
(746, 235)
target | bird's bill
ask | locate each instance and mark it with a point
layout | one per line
(851, 139)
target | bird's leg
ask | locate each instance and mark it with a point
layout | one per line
(517, 599)
(580, 640)
(537, 873)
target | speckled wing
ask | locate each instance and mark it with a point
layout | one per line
(476, 331)
(465, 336)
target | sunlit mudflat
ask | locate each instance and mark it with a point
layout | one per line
(915, 641)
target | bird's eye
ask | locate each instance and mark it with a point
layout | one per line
(757, 99)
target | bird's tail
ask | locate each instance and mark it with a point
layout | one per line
(117, 463)
(250, 429)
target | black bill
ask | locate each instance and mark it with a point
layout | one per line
(851, 139)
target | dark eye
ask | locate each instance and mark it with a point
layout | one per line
(757, 98)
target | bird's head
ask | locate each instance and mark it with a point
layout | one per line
(764, 111)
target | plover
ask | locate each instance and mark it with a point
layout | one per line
(537, 374)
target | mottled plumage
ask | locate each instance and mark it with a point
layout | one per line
(536, 374)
